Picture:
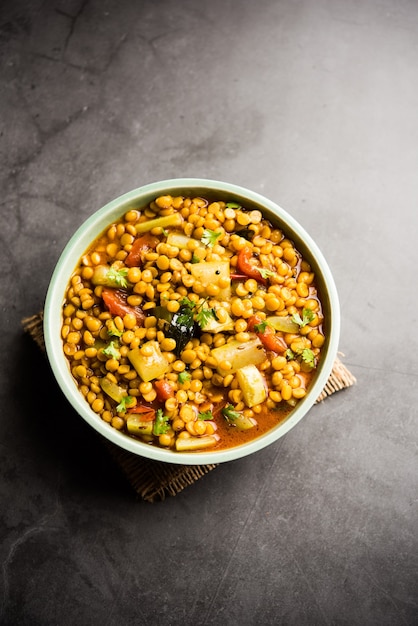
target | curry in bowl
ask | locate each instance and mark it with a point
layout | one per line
(193, 324)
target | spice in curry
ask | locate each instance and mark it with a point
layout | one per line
(193, 324)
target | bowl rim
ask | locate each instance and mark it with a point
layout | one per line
(88, 231)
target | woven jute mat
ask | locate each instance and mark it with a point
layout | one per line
(154, 480)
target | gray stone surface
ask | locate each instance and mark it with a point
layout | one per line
(314, 104)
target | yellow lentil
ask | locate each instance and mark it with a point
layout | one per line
(163, 280)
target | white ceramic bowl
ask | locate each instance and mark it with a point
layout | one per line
(97, 223)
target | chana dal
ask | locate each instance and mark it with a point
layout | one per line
(193, 324)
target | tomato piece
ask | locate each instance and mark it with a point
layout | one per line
(164, 390)
(140, 247)
(253, 321)
(269, 338)
(247, 266)
(116, 303)
(272, 341)
(147, 412)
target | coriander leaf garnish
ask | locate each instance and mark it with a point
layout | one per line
(124, 404)
(187, 302)
(161, 425)
(112, 330)
(230, 414)
(118, 277)
(185, 315)
(210, 237)
(308, 357)
(233, 205)
(205, 415)
(261, 327)
(195, 258)
(307, 316)
(183, 377)
(265, 273)
(112, 351)
(190, 310)
(185, 318)
(204, 316)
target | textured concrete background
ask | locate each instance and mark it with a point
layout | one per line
(314, 104)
